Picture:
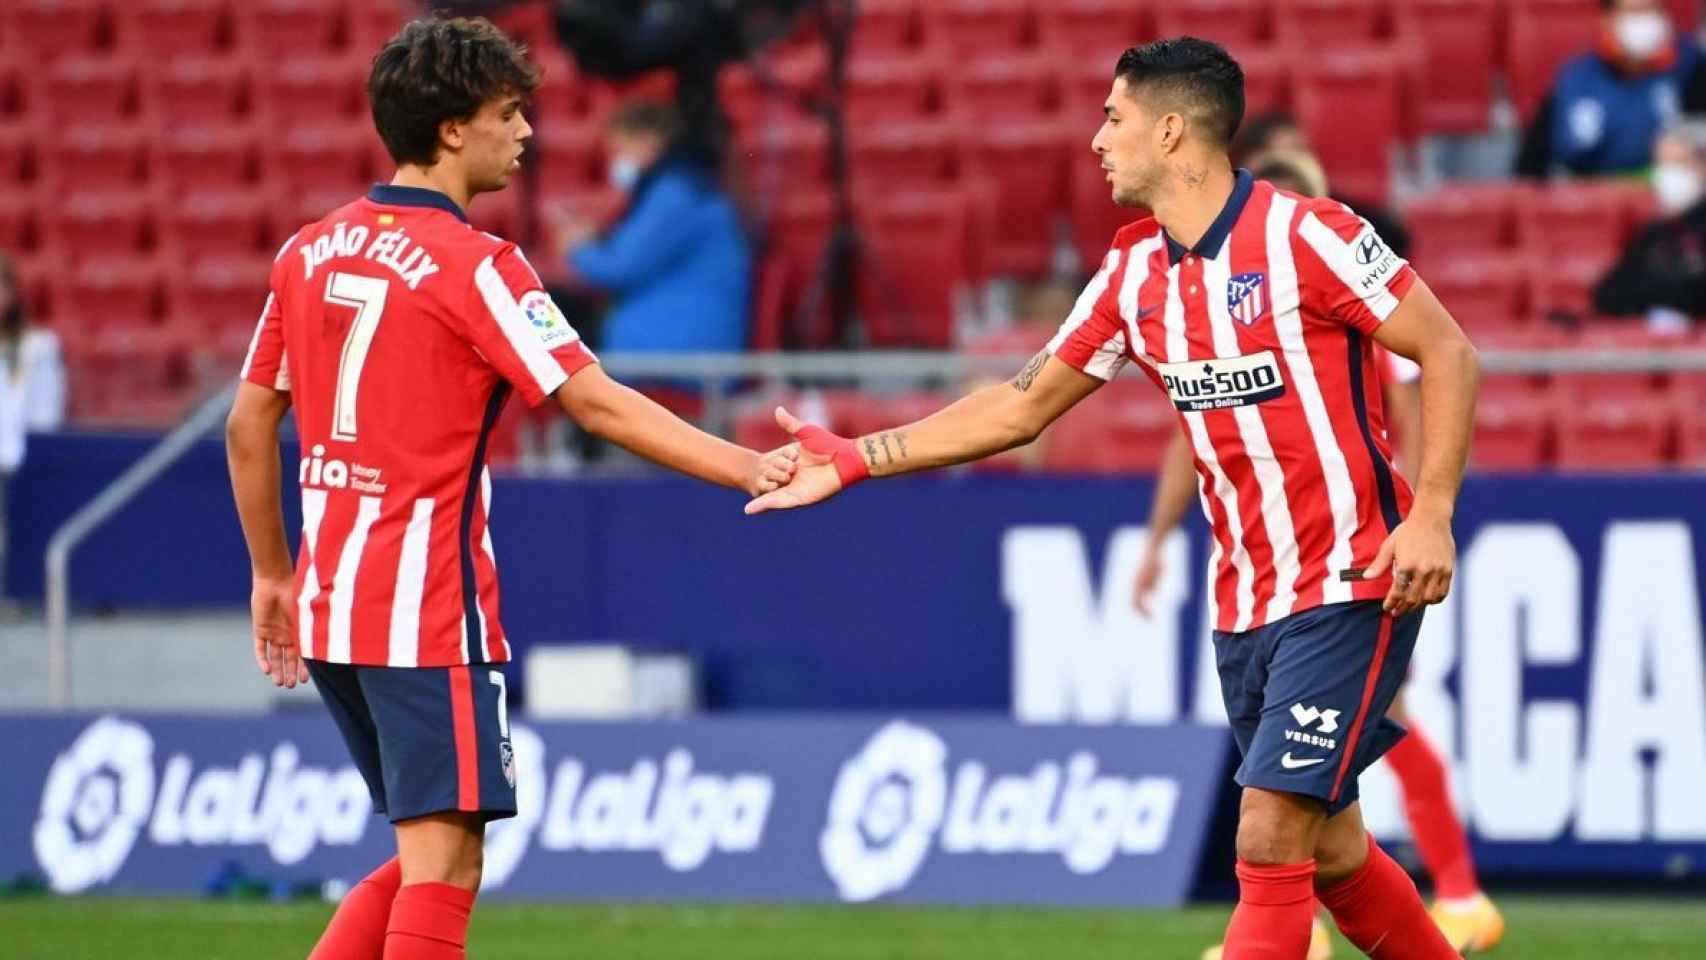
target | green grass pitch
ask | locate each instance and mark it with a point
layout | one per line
(1550, 928)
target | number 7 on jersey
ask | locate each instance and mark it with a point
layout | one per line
(367, 296)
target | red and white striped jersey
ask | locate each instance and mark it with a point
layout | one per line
(1260, 335)
(399, 332)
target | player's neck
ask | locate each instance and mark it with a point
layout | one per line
(436, 177)
(1197, 192)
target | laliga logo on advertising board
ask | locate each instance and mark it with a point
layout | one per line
(894, 798)
(100, 794)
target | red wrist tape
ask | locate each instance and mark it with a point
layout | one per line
(844, 453)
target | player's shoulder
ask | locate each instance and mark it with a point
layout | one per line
(1136, 232)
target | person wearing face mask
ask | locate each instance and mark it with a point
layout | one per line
(1607, 105)
(677, 262)
(1662, 274)
(32, 388)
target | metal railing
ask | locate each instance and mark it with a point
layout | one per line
(714, 371)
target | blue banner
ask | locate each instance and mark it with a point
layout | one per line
(788, 808)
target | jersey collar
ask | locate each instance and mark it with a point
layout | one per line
(1215, 238)
(394, 196)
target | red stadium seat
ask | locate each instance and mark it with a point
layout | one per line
(1513, 427)
(498, 213)
(785, 155)
(310, 90)
(886, 26)
(18, 231)
(801, 221)
(1019, 87)
(913, 261)
(975, 29)
(1540, 36)
(19, 140)
(1240, 24)
(901, 154)
(197, 158)
(1267, 78)
(1093, 31)
(1463, 222)
(568, 156)
(199, 89)
(181, 26)
(1095, 216)
(1460, 46)
(1024, 162)
(98, 155)
(1326, 24)
(1084, 87)
(563, 97)
(1127, 430)
(1686, 399)
(281, 29)
(321, 156)
(1483, 292)
(218, 293)
(114, 293)
(205, 223)
(1563, 289)
(874, 412)
(1580, 221)
(88, 227)
(89, 88)
(48, 29)
(1613, 431)
(893, 88)
(1636, 386)
(1350, 104)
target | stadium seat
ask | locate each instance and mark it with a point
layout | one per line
(1513, 427)
(1540, 36)
(87, 227)
(282, 29)
(19, 140)
(18, 232)
(105, 157)
(1351, 106)
(882, 411)
(180, 26)
(784, 156)
(1613, 431)
(1326, 24)
(219, 292)
(886, 26)
(322, 156)
(1603, 335)
(1563, 289)
(116, 293)
(1267, 78)
(1240, 24)
(1579, 221)
(90, 88)
(199, 89)
(1687, 398)
(978, 29)
(1460, 45)
(906, 154)
(567, 156)
(311, 90)
(1095, 216)
(499, 213)
(997, 89)
(1084, 86)
(1483, 292)
(801, 221)
(49, 29)
(1092, 31)
(1462, 222)
(202, 223)
(881, 88)
(1127, 430)
(912, 263)
(202, 157)
(1024, 162)
(563, 97)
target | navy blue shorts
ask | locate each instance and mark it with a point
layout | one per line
(426, 739)
(1307, 697)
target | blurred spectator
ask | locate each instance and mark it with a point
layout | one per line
(1277, 133)
(677, 261)
(1662, 274)
(32, 387)
(1608, 104)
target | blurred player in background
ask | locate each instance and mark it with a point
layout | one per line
(398, 331)
(1465, 915)
(1256, 312)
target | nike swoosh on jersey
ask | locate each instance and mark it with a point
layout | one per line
(1290, 763)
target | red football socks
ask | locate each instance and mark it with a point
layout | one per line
(429, 921)
(357, 930)
(1440, 840)
(1275, 905)
(1380, 912)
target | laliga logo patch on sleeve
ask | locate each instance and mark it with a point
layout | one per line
(547, 321)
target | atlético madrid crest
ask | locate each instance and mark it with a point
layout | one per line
(1246, 297)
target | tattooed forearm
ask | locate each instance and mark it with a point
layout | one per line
(900, 441)
(883, 439)
(870, 453)
(1028, 376)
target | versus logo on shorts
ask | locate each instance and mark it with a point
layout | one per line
(1223, 382)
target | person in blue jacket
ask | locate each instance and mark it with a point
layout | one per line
(1608, 105)
(678, 263)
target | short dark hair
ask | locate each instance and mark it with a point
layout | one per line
(1257, 134)
(645, 116)
(435, 70)
(1197, 75)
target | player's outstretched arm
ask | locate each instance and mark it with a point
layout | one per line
(1421, 552)
(1167, 510)
(634, 422)
(251, 450)
(986, 422)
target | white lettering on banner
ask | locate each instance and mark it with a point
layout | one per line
(1522, 587)
(895, 797)
(1646, 694)
(1083, 654)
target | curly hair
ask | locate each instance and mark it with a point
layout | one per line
(438, 70)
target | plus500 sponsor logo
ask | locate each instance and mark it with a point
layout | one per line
(104, 792)
(897, 800)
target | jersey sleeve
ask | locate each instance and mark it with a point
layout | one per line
(1353, 276)
(265, 364)
(515, 325)
(1092, 339)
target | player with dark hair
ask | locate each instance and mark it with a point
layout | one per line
(398, 331)
(1257, 313)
